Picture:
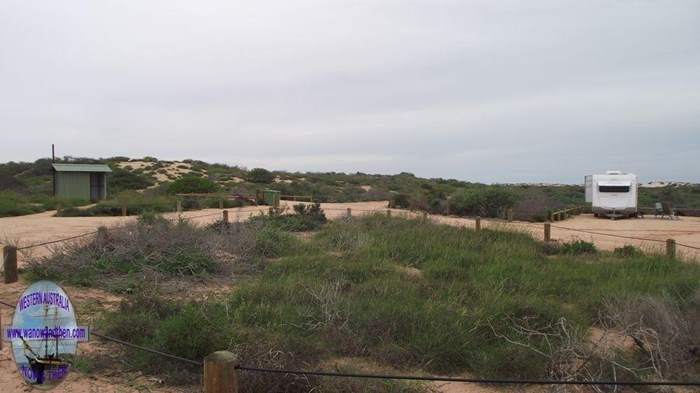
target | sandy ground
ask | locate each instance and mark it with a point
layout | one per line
(175, 169)
(685, 230)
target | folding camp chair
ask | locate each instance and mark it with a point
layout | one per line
(658, 210)
(669, 211)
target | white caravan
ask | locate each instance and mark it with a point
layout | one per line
(613, 194)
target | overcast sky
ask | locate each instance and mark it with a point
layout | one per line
(492, 91)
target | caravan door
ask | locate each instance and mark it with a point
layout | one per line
(588, 181)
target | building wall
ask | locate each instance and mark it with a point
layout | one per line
(73, 185)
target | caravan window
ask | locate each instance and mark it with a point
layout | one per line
(614, 188)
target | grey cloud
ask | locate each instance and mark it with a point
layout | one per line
(476, 90)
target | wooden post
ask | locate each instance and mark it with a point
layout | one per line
(477, 223)
(101, 235)
(9, 257)
(220, 373)
(225, 216)
(509, 214)
(547, 231)
(221, 203)
(388, 212)
(670, 248)
(349, 213)
(179, 205)
(124, 211)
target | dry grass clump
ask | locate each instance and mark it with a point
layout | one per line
(152, 248)
(665, 335)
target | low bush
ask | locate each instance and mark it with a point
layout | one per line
(135, 202)
(152, 246)
(12, 204)
(486, 202)
(260, 175)
(273, 242)
(305, 218)
(400, 201)
(122, 179)
(192, 184)
(578, 247)
(663, 331)
(627, 251)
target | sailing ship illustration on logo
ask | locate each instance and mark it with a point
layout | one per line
(44, 335)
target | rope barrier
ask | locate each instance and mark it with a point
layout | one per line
(57, 241)
(395, 377)
(689, 246)
(468, 380)
(609, 234)
(134, 346)
(146, 349)
(258, 209)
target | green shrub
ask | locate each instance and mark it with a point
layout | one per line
(486, 202)
(152, 245)
(305, 218)
(628, 251)
(578, 247)
(260, 175)
(400, 201)
(13, 204)
(192, 184)
(273, 242)
(121, 179)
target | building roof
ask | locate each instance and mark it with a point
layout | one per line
(81, 168)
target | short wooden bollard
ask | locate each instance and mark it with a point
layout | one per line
(547, 231)
(477, 223)
(670, 248)
(101, 235)
(124, 211)
(225, 216)
(221, 203)
(349, 213)
(9, 258)
(220, 373)
(509, 214)
(388, 213)
(179, 206)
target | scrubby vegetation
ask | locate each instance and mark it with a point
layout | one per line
(120, 257)
(305, 218)
(192, 184)
(407, 294)
(13, 204)
(404, 190)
